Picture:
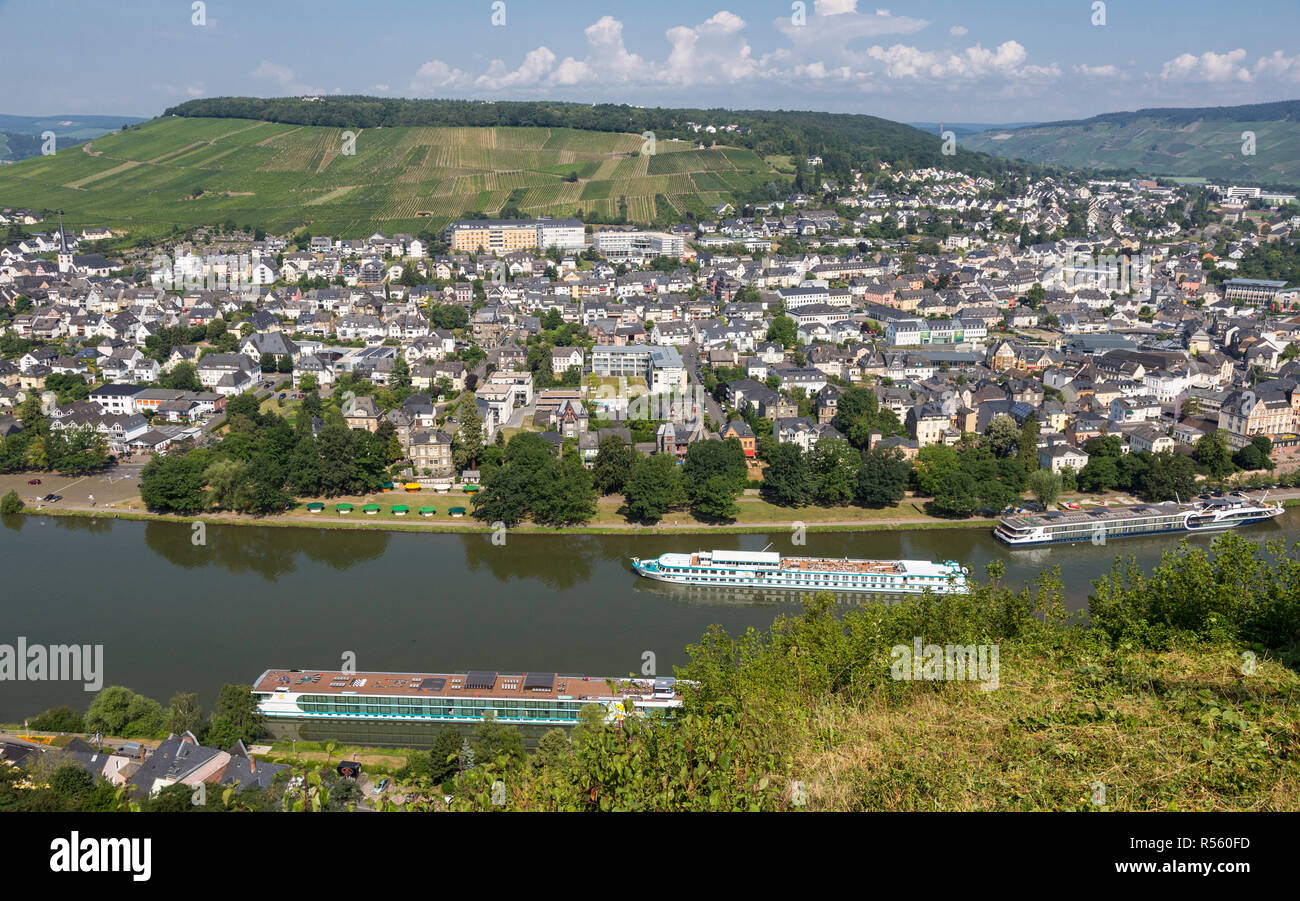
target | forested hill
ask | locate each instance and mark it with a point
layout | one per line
(1204, 142)
(843, 140)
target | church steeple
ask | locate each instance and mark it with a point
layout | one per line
(65, 255)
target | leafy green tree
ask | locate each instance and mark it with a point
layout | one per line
(1211, 451)
(715, 499)
(786, 481)
(833, 467)
(117, 710)
(1027, 445)
(1003, 435)
(565, 494)
(1045, 485)
(882, 480)
(235, 718)
(58, 719)
(174, 483)
(499, 744)
(10, 503)
(469, 436)
(613, 464)
(184, 714)
(653, 488)
(784, 331)
(1169, 476)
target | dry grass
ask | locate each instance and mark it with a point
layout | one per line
(1180, 730)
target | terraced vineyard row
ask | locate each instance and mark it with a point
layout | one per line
(190, 171)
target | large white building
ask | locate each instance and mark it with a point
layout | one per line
(661, 367)
(638, 244)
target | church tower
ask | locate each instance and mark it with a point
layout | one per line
(65, 255)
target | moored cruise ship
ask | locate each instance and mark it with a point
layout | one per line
(291, 696)
(763, 569)
(1105, 523)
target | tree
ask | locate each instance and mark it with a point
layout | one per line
(1211, 451)
(226, 480)
(1100, 473)
(613, 464)
(174, 483)
(184, 713)
(711, 457)
(564, 494)
(1168, 476)
(653, 488)
(10, 503)
(118, 711)
(505, 495)
(1045, 485)
(1003, 435)
(833, 468)
(498, 744)
(882, 480)
(469, 437)
(1027, 445)
(786, 481)
(784, 331)
(235, 718)
(715, 499)
(181, 377)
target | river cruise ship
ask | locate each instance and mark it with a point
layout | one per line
(546, 699)
(763, 569)
(1104, 523)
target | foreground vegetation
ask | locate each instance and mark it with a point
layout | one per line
(1178, 691)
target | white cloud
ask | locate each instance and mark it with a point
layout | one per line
(710, 53)
(436, 74)
(1279, 66)
(1097, 71)
(284, 77)
(958, 31)
(195, 90)
(1208, 67)
(1006, 61)
(834, 7)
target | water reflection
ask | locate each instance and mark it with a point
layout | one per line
(558, 562)
(732, 596)
(267, 552)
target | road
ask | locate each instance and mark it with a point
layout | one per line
(712, 409)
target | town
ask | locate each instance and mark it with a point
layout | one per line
(1105, 335)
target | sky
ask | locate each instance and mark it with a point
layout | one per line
(941, 60)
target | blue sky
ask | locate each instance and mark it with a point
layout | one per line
(923, 61)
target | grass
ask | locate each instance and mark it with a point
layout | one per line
(1174, 730)
(188, 172)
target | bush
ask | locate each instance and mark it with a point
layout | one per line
(10, 503)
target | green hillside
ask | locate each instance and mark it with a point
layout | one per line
(196, 171)
(15, 146)
(1177, 142)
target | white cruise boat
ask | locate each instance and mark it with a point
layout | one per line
(1104, 523)
(763, 569)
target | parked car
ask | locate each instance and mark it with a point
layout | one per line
(380, 787)
(52, 498)
(33, 481)
(281, 395)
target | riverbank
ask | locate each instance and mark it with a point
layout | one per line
(115, 500)
(360, 522)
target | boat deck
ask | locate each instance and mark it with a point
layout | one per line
(543, 686)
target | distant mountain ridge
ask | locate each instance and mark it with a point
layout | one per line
(21, 136)
(1203, 142)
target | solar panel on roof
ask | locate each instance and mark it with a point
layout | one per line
(539, 681)
(432, 684)
(480, 680)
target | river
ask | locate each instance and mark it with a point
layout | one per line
(172, 616)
